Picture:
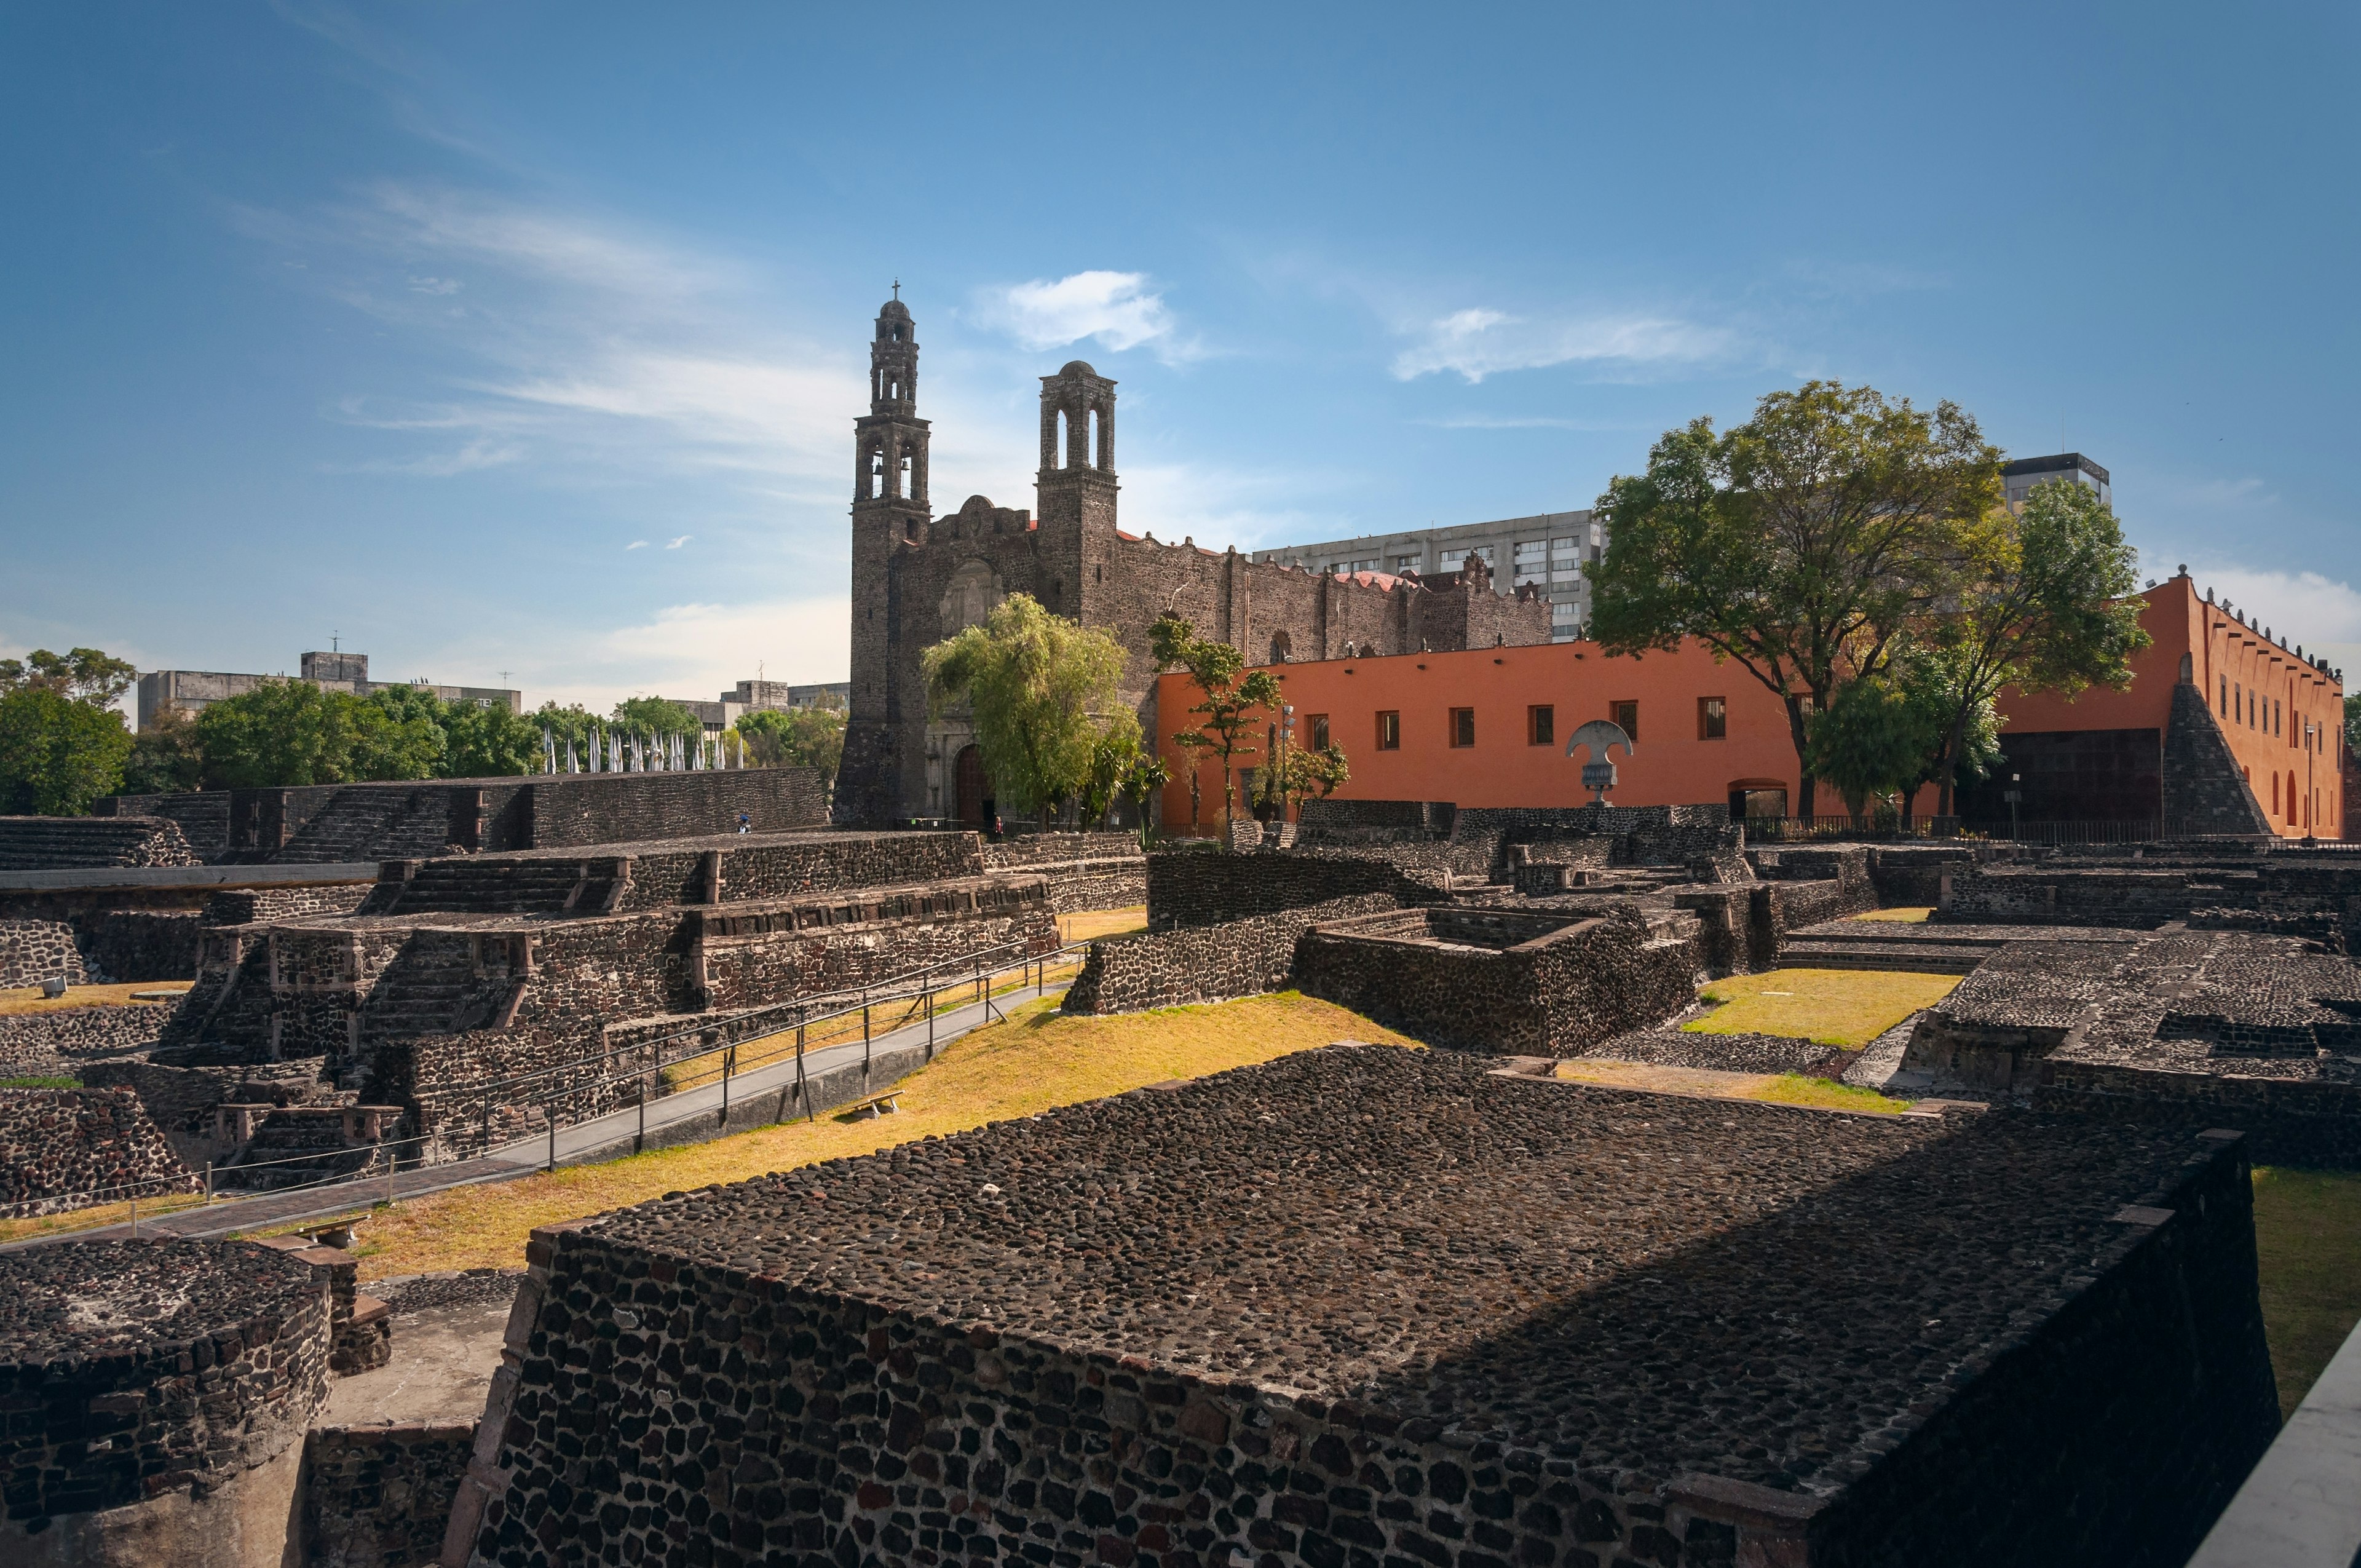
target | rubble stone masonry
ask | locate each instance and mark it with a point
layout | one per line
(1366, 1305)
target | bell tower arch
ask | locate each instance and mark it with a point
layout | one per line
(891, 518)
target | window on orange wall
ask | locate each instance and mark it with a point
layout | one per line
(1390, 731)
(1319, 731)
(1713, 718)
(1625, 716)
(1541, 725)
(1462, 727)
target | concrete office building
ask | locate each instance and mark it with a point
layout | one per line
(756, 696)
(192, 691)
(2020, 476)
(1544, 551)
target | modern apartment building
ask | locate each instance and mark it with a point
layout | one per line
(1546, 551)
(2021, 476)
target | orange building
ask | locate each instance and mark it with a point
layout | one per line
(1488, 727)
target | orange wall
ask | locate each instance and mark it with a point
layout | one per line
(2221, 650)
(1671, 766)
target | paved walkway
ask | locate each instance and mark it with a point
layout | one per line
(574, 1142)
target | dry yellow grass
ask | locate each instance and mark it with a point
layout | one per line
(1085, 924)
(97, 1214)
(29, 998)
(1907, 915)
(1038, 1059)
(1704, 1083)
(1833, 1006)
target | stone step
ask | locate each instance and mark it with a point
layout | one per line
(1920, 958)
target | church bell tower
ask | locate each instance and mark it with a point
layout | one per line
(890, 515)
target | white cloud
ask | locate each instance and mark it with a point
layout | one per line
(1478, 342)
(2310, 608)
(1117, 308)
(682, 540)
(483, 452)
(637, 545)
(434, 285)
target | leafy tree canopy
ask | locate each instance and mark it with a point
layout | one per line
(289, 732)
(165, 756)
(656, 716)
(1043, 690)
(1800, 544)
(83, 674)
(1890, 733)
(486, 740)
(796, 736)
(58, 753)
(1225, 730)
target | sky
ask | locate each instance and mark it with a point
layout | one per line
(520, 343)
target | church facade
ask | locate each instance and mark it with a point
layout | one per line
(918, 579)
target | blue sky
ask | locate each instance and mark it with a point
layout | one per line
(527, 337)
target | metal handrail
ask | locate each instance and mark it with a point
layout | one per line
(728, 1050)
(888, 987)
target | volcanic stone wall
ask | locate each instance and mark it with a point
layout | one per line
(34, 950)
(1369, 1304)
(1543, 986)
(52, 1043)
(203, 817)
(381, 1496)
(244, 905)
(135, 1370)
(180, 1097)
(1204, 963)
(1196, 887)
(69, 1148)
(63, 843)
(1086, 871)
(572, 809)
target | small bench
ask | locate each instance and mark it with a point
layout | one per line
(876, 1105)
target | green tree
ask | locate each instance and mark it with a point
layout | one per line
(656, 716)
(2046, 603)
(796, 738)
(165, 756)
(57, 753)
(1042, 688)
(487, 740)
(1114, 757)
(1225, 731)
(1798, 545)
(82, 674)
(1296, 775)
(1141, 780)
(1891, 733)
(289, 732)
(2352, 722)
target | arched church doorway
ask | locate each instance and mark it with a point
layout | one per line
(967, 777)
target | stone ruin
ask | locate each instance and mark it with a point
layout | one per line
(1366, 1305)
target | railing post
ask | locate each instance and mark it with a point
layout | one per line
(728, 1059)
(549, 1114)
(640, 1142)
(209, 1181)
(929, 994)
(803, 1087)
(135, 1213)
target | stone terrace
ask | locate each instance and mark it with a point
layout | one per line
(2225, 1028)
(1368, 1301)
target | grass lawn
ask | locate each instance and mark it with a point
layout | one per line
(1831, 1006)
(29, 998)
(1085, 924)
(1907, 915)
(1038, 1059)
(2308, 1242)
(1704, 1083)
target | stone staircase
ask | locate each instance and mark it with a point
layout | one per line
(372, 822)
(1888, 945)
(71, 843)
(431, 989)
(301, 1146)
(480, 885)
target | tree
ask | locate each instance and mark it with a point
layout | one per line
(2046, 604)
(58, 753)
(488, 741)
(796, 738)
(1893, 732)
(2352, 722)
(165, 756)
(83, 674)
(1798, 545)
(1113, 757)
(291, 732)
(656, 716)
(1225, 729)
(1043, 690)
(1296, 775)
(1145, 776)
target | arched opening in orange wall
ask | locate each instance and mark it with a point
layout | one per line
(1757, 797)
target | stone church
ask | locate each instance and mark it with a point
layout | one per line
(918, 579)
